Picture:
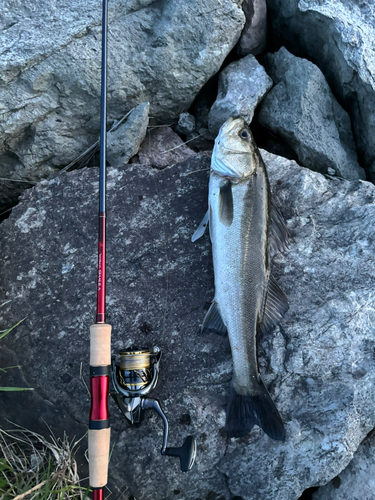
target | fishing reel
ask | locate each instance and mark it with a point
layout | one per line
(133, 376)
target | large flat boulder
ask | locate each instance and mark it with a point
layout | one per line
(317, 364)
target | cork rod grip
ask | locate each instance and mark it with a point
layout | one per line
(100, 344)
(99, 454)
(99, 425)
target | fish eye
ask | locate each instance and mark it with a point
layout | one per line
(244, 134)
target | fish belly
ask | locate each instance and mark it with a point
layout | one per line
(241, 269)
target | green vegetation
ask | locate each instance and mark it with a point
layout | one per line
(31, 467)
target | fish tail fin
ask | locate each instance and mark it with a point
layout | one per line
(245, 411)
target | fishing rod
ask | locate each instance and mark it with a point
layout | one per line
(136, 372)
(100, 333)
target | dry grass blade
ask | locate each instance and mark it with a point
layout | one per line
(180, 145)
(33, 467)
(83, 159)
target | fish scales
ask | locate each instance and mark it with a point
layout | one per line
(240, 258)
(244, 228)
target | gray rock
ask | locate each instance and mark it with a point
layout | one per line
(160, 52)
(186, 124)
(242, 85)
(303, 111)
(338, 36)
(254, 35)
(10, 190)
(161, 148)
(356, 482)
(124, 142)
(318, 364)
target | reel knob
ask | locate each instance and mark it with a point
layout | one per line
(186, 453)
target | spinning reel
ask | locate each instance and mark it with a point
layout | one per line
(133, 377)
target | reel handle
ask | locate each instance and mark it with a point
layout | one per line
(186, 453)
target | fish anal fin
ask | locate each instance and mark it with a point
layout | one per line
(279, 233)
(276, 305)
(245, 411)
(213, 322)
(201, 228)
(226, 204)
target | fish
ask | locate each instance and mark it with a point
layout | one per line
(246, 230)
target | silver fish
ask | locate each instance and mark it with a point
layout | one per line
(244, 230)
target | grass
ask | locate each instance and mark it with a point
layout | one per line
(34, 468)
(4, 370)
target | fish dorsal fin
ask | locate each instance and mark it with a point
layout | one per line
(279, 234)
(212, 321)
(202, 227)
(275, 307)
(226, 204)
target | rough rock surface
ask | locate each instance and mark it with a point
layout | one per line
(10, 190)
(162, 147)
(318, 364)
(254, 35)
(162, 52)
(303, 111)
(186, 124)
(338, 36)
(242, 85)
(124, 142)
(356, 482)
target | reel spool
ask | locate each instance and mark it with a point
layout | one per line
(133, 377)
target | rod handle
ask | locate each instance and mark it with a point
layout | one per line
(98, 456)
(100, 344)
(99, 427)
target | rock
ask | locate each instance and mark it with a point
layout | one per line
(338, 36)
(254, 35)
(204, 101)
(318, 364)
(186, 124)
(356, 482)
(10, 190)
(160, 52)
(124, 142)
(303, 111)
(163, 147)
(242, 85)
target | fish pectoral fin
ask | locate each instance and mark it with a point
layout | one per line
(213, 322)
(226, 204)
(275, 307)
(279, 234)
(202, 227)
